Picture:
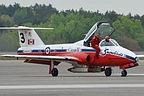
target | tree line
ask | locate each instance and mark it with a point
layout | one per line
(70, 25)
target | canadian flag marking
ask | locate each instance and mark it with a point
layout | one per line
(30, 41)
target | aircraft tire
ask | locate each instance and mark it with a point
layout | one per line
(108, 71)
(124, 73)
(55, 72)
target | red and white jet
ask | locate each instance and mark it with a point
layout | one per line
(79, 54)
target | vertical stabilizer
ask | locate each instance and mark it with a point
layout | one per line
(28, 37)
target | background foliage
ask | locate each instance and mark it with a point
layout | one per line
(70, 25)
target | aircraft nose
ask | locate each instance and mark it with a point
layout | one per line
(136, 59)
(131, 55)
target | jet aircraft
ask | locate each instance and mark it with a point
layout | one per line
(79, 54)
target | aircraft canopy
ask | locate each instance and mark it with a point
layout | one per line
(104, 28)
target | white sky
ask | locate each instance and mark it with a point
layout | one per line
(119, 6)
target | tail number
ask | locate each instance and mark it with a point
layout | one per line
(22, 37)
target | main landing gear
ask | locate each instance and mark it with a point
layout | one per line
(108, 71)
(53, 71)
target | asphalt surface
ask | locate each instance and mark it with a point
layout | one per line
(23, 79)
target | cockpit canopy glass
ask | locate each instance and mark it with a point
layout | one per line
(104, 28)
(111, 42)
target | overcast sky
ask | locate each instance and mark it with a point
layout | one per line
(119, 6)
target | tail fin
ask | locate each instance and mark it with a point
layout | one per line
(27, 36)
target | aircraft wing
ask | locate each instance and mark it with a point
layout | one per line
(140, 56)
(61, 58)
(70, 58)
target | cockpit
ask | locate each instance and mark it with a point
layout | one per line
(111, 42)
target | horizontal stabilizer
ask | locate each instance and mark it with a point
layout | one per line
(23, 28)
(27, 35)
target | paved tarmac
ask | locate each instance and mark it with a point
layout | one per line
(23, 79)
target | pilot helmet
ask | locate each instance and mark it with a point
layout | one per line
(107, 38)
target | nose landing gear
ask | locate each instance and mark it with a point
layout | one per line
(124, 73)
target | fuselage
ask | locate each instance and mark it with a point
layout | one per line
(110, 55)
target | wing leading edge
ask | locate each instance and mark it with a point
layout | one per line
(61, 58)
(41, 59)
(140, 56)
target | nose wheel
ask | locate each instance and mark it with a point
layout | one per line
(124, 73)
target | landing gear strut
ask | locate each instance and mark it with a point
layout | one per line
(52, 70)
(124, 73)
(108, 71)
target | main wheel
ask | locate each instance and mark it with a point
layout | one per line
(108, 71)
(54, 72)
(124, 73)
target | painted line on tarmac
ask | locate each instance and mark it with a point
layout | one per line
(130, 74)
(136, 74)
(71, 86)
